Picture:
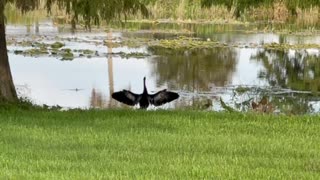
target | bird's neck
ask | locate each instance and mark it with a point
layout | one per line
(144, 86)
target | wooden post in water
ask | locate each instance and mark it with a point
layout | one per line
(110, 66)
(37, 27)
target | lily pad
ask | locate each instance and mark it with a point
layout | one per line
(284, 46)
(87, 51)
(57, 45)
(241, 89)
(18, 52)
(137, 55)
(67, 56)
(36, 52)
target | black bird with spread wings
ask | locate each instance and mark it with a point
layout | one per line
(145, 99)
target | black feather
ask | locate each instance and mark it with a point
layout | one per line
(127, 97)
(163, 97)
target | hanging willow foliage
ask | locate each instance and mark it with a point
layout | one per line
(92, 11)
(24, 5)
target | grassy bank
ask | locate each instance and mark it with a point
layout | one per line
(221, 11)
(194, 11)
(156, 144)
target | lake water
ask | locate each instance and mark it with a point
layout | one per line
(239, 73)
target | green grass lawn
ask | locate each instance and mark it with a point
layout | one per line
(157, 145)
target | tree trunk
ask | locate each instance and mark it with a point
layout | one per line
(7, 89)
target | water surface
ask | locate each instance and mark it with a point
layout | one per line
(238, 74)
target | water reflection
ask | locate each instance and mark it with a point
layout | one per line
(194, 71)
(294, 69)
(238, 75)
(97, 99)
(227, 33)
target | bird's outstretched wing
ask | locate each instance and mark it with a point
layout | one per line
(162, 97)
(127, 97)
